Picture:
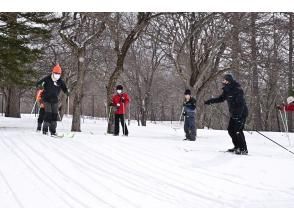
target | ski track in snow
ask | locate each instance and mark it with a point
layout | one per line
(150, 168)
(20, 205)
(39, 173)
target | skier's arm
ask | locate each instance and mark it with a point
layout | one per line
(219, 99)
(191, 105)
(64, 88)
(287, 108)
(41, 82)
(127, 99)
(113, 103)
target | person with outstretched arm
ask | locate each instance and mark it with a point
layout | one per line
(52, 85)
(234, 95)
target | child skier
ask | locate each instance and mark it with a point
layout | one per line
(120, 101)
(189, 114)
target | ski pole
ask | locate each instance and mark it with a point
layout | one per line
(108, 117)
(124, 127)
(67, 106)
(180, 119)
(274, 142)
(286, 122)
(129, 117)
(61, 121)
(282, 118)
(181, 115)
(266, 137)
(34, 107)
(108, 120)
(36, 122)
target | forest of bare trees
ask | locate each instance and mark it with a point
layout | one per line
(155, 56)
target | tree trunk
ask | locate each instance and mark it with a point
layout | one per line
(13, 94)
(273, 80)
(290, 73)
(163, 117)
(255, 88)
(77, 103)
(13, 102)
(110, 90)
(235, 45)
(143, 21)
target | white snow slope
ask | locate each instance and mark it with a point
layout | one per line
(153, 167)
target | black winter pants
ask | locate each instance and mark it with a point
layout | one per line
(51, 113)
(121, 118)
(235, 130)
(190, 128)
(41, 118)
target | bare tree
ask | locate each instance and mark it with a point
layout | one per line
(146, 56)
(256, 111)
(78, 31)
(290, 72)
(143, 20)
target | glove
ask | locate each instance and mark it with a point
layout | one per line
(118, 105)
(41, 86)
(280, 107)
(207, 102)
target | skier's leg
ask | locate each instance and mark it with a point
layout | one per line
(192, 128)
(41, 118)
(124, 126)
(240, 136)
(243, 141)
(116, 124)
(186, 127)
(47, 117)
(53, 123)
(232, 132)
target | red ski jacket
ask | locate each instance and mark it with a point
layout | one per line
(287, 108)
(120, 101)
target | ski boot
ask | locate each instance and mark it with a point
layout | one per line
(241, 151)
(232, 150)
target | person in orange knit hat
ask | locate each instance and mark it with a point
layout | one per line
(52, 85)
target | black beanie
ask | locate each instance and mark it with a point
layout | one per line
(187, 92)
(119, 87)
(229, 78)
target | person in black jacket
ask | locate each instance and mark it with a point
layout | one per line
(189, 113)
(52, 85)
(234, 96)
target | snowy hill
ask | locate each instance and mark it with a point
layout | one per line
(152, 167)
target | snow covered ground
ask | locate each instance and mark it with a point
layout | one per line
(152, 167)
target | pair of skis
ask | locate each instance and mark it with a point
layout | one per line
(62, 135)
(221, 151)
(232, 152)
